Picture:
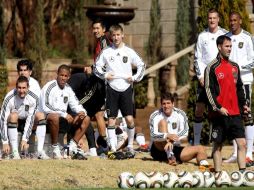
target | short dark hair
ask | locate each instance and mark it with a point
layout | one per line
(213, 10)
(235, 13)
(63, 67)
(115, 28)
(22, 79)
(220, 40)
(168, 96)
(25, 62)
(100, 21)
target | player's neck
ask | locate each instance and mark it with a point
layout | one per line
(238, 31)
(119, 45)
(213, 30)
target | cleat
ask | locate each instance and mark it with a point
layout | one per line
(42, 155)
(15, 155)
(116, 155)
(143, 148)
(130, 153)
(172, 161)
(232, 159)
(77, 153)
(101, 150)
(249, 162)
(56, 152)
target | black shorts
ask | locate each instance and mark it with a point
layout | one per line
(21, 125)
(227, 127)
(119, 101)
(162, 155)
(201, 94)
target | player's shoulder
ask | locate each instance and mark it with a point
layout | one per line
(246, 33)
(11, 94)
(222, 30)
(31, 95)
(179, 111)
(156, 113)
(51, 84)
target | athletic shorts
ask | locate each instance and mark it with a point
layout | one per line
(162, 155)
(119, 100)
(64, 126)
(227, 127)
(201, 94)
(21, 125)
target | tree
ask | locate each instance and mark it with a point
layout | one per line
(3, 69)
(182, 40)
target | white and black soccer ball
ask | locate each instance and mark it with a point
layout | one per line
(236, 179)
(156, 179)
(170, 180)
(209, 179)
(125, 180)
(222, 179)
(198, 179)
(185, 179)
(142, 180)
(248, 178)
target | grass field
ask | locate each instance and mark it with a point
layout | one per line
(81, 174)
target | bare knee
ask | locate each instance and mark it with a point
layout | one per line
(53, 119)
(13, 117)
(39, 116)
(163, 126)
(129, 120)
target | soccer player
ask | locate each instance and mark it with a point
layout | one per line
(243, 54)
(169, 130)
(114, 65)
(56, 96)
(225, 93)
(24, 68)
(97, 85)
(205, 51)
(17, 114)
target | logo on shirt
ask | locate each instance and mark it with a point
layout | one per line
(125, 59)
(215, 134)
(240, 44)
(26, 107)
(111, 59)
(174, 125)
(65, 99)
(220, 75)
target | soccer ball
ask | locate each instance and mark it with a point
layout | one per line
(156, 180)
(209, 179)
(198, 179)
(248, 178)
(125, 180)
(185, 179)
(141, 180)
(222, 179)
(170, 180)
(236, 178)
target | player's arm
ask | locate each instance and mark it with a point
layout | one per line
(138, 62)
(74, 104)
(154, 129)
(210, 86)
(183, 129)
(250, 55)
(5, 112)
(98, 69)
(198, 63)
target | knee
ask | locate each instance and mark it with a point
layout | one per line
(242, 144)
(53, 119)
(13, 117)
(163, 126)
(99, 115)
(39, 116)
(138, 129)
(85, 122)
(129, 120)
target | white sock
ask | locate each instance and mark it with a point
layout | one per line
(112, 139)
(140, 138)
(40, 134)
(249, 135)
(234, 148)
(131, 133)
(203, 163)
(197, 127)
(93, 151)
(169, 153)
(13, 138)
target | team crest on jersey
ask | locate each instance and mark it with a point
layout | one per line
(220, 75)
(26, 107)
(174, 125)
(125, 59)
(240, 44)
(215, 134)
(65, 99)
(234, 72)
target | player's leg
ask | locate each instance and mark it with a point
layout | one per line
(40, 122)
(54, 120)
(12, 131)
(140, 138)
(241, 153)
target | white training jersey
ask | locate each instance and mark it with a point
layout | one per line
(206, 49)
(25, 107)
(34, 86)
(177, 124)
(119, 61)
(242, 53)
(56, 100)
